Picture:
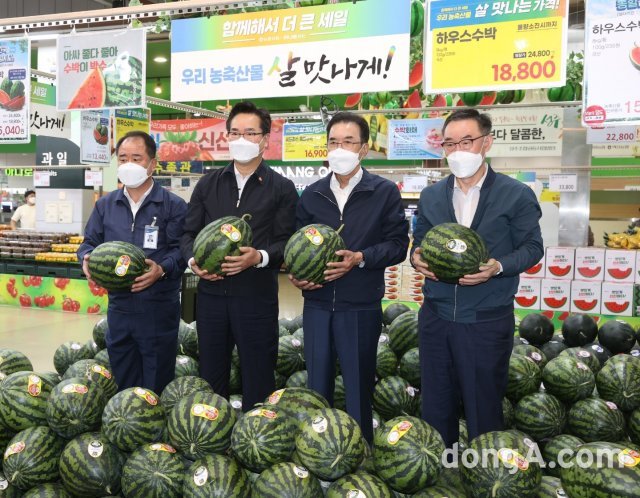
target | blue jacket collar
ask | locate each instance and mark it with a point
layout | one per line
(260, 171)
(156, 194)
(482, 203)
(367, 182)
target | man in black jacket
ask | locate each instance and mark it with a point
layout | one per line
(240, 306)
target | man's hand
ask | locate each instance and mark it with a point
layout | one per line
(147, 279)
(341, 268)
(303, 284)
(85, 268)
(487, 270)
(236, 264)
(211, 277)
(421, 266)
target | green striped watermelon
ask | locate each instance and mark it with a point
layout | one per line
(407, 454)
(75, 406)
(452, 251)
(31, 457)
(568, 379)
(604, 478)
(540, 415)
(634, 426)
(124, 91)
(394, 396)
(403, 333)
(524, 377)
(201, 423)
(409, 368)
(393, 311)
(115, 265)
(153, 471)
(508, 413)
(565, 443)
(386, 359)
(619, 381)
(282, 331)
(219, 239)
(310, 249)
(554, 347)
(451, 478)
(330, 444)
(439, 492)
(360, 484)
(103, 358)
(290, 355)
(51, 377)
(594, 419)
(180, 387)
(297, 402)
(188, 339)
(339, 394)
(12, 361)
(262, 438)
(68, 353)
(132, 418)
(92, 347)
(287, 480)
(586, 356)
(532, 352)
(23, 400)
(216, 476)
(46, 490)
(100, 331)
(298, 379)
(551, 487)
(91, 466)
(94, 371)
(186, 365)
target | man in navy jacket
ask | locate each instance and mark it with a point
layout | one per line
(343, 316)
(466, 329)
(143, 322)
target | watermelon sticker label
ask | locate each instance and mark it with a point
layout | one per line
(275, 396)
(34, 387)
(95, 448)
(356, 493)
(204, 411)
(148, 396)
(629, 458)
(582, 366)
(122, 265)
(611, 405)
(383, 338)
(536, 356)
(560, 493)
(75, 388)
(14, 449)
(376, 424)
(584, 354)
(511, 457)
(100, 370)
(162, 447)
(200, 476)
(237, 404)
(261, 412)
(411, 391)
(182, 360)
(314, 236)
(296, 343)
(231, 232)
(456, 245)
(301, 472)
(398, 431)
(4, 484)
(319, 424)
(76, 346)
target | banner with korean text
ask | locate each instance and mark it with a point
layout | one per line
(511, 45)
(126, 120)
(415, 138)
(15, 89)
(328, 49)
(44, 119)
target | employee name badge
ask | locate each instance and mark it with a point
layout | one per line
(151, 235)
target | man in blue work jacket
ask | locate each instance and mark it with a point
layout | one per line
(143, 322)
(343, 316)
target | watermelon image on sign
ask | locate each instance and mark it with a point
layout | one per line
(219, 239)
(310, 249)
(92, 93)
(115, 265)
(453, 251)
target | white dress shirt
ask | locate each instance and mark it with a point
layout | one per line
(342, 194)
(242, 181)
(135, 206)
(466, 205)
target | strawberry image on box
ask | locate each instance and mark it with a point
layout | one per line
(620, 265)
(555, 294)
(560, 262)
(590, 263)
(585, 296)
(617, 299)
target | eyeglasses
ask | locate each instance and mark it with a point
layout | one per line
(465, 144)
(334, 144)
(249, 135)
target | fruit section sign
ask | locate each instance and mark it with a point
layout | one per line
(94, 138)
(415, 139)
(329, 49)
(101, 70)
(506, 45)
(15, 84)
(304, 142)
(126, 120)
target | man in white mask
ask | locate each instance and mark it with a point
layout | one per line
(143, 322)
(240, 306)
(466, 328)
(25, 214)
(343, 317)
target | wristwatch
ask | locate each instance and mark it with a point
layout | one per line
(361, 264)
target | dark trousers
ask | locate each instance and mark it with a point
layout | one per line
(142, 346)
(251, 323)
(466, 362)
(352, 336)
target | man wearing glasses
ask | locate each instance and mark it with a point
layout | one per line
(343, 316)
(466, 329)
(240, 306)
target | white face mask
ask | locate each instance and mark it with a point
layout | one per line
(464, 164)
(132, 175)
(31, 201)
(243, 151)
(343, 162)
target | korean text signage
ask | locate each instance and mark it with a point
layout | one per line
(304, 142)
(126, 120)
(415, 138)
(15, 83)
(102, 70)
(329, 49)
(481, 45)
(95, 130)
(44, 119)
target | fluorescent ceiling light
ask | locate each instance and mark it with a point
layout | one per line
(161, 59)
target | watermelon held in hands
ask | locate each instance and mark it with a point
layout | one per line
(310, 249)
(219, 239)
(617, 336)
(92, 93)
(115, 265)
(536, 328)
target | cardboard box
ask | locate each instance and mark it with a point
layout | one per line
(617, 299)
(585, 296)
(589, 263)
(636, 299)
(637, 267)
(537, 271)
(555, 294)
(620, 265)
(528, 295)
(560, 262)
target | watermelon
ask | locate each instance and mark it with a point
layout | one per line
(507, 472)
(31, 457)
(508, 413)
(617, 336)
(310, 249)
(619, 381)
(417, 18)
(564, 443)
(201, 423)
(599, 352)
(46, 490)
(75, 406)
(554, 347)
(186, 365)
(115, 265)
(583, 355)
(235, 379)
(219, 239)
(12, 361)
(536, 329)
(409, 368)
(188, 339)
(633, 426)
(103, 358)
(181, 387)
(153, 471)
(531, 352)
(594, 476)
(568, 379)
(524, 377)
(95, 372)
(393, 396)
(407, 454)
(263, 437)
(442, 100)
(216, 476)
(290, 355)
(297, 402)
(579, 329)
(91, 466)
(92, 93)
(100, 331)
(68, 353)
(540, 415)
(359, 484)
(92, 347)
(51, 377)
(451, 478)
(392, 311)
(415, 78)
(471, 99)
(298, 379)
(439, 492)
(386, 360)
(124, 80)
(551, 487)
(403, 333)
(287, 480)
(561, 93)
(453, 251)
(132, 418)
(23, 401)
(352, 100)
(594, 419)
